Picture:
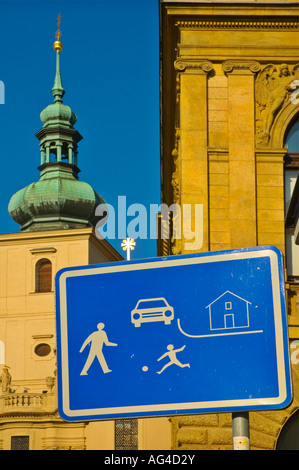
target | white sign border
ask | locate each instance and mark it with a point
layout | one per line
(174, 408)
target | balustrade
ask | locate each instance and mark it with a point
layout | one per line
(27, 402)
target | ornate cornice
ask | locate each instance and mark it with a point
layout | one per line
(200, 65)
(282, 25)
(230, 66)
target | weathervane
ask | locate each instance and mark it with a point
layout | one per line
(127, 245)
(58, 32)
(57, 44)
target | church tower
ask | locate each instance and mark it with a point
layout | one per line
(58, 200)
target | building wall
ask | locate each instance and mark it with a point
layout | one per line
(226, 109)
(27, 319)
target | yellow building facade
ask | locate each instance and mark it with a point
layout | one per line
(229, 73)
(229, 105)
(27, 325)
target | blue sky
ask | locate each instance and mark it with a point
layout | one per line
(110, 71)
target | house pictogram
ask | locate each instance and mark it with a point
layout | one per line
(229, 311)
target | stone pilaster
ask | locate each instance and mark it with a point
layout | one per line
(193, 151)
(241, 138)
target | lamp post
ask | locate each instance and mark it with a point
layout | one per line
(127, 245)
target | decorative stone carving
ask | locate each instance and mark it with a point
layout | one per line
(247, 25)
(230, 66)
(274, 85)
(5, 380)
(204, 66)
(50, 382)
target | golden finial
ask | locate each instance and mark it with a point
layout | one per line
(57, 44)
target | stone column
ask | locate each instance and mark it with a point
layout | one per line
(241, 138)
(42, 155)
(70, 153)
(47, 147)
(193, 127)
(59, 151)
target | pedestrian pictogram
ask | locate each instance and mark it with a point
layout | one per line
(171, 354)
(96, 340)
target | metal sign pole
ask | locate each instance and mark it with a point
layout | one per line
(241, 431)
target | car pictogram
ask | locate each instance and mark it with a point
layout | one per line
(152, 310)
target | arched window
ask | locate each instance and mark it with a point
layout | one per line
(43, 276)
(291, 175)
(53, 152)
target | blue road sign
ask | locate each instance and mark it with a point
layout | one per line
(176, 335)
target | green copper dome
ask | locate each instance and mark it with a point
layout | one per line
(58, 114)
(58, 200)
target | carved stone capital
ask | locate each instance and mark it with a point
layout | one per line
(241, 66)
(200, 66)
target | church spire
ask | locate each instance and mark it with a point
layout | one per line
(58, 200)
(58, 90)
(58, 138)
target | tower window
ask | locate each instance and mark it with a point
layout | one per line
(64, 151)
(53, 152)
(43, 276)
